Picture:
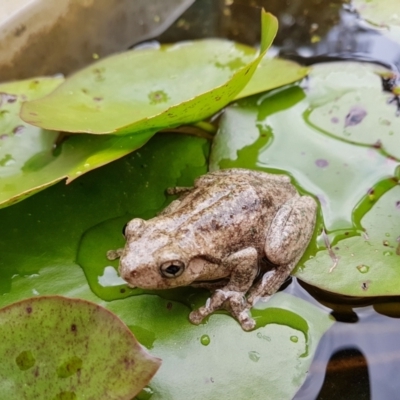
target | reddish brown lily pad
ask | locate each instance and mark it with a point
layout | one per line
(54, 347)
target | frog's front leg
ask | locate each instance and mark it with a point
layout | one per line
(244, 267)
(287, 239)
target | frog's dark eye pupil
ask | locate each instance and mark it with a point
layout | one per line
(124, 229)
(172, 269)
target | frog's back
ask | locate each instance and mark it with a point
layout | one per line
(232, 208)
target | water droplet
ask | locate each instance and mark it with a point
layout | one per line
(387, 234)
(265, 337)
(205, 340)
(363, 268)
(386, 243)
(387, 253)
(78, 172)
(86, 165)
(294, 339)
(25, 360)
(254, 356)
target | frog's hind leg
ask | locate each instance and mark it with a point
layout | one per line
(232, 296)
(287, 239)
(270, 283)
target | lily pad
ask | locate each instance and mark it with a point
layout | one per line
(303, 133)
(272, 73)
(365, 265)
(383, 14)
(151, 88)
(350, 96)
(218, 359)
(52, 348)
(31, 161)
(273, 132)
(209, 360)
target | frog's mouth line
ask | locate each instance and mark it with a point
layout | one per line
(217, 283)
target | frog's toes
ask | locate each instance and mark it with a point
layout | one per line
(197, 316)
(246, 322)
(114, 254)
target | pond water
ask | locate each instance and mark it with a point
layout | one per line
(359, 355)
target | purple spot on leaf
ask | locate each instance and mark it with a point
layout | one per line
(355, 116)
(398, 204)
(334, 120)
(321, 163)
(18, 129)
(28, 310)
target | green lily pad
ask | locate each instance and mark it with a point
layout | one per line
(304, 134)
(30, 161)
(218, 359)
(366, 265)
(151, 88)
(52, 347)
(383, 14)
(350, 96)
(213, 358)
(273, 132)
(272, 73)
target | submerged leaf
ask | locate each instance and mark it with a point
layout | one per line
(151, 88)
(52, 348)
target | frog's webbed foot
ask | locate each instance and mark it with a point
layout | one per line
(234, 302)
(231, 297)
(114, 254)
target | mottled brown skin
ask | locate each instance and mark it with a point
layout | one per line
(216, 235)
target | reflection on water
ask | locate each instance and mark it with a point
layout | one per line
(358, 357)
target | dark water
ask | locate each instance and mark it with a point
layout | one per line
(359, 357)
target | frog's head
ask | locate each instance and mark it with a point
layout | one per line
(152, 259)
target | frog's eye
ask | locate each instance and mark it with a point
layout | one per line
(124, 229)
(172, 269)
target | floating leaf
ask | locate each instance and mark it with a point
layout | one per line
(304, 134)
(29, 160)
(52, 347)
(151, 88)
(49, 226)
(367, 265)
(381, 13)
(274, 131)
(217, 360)
(350, 96)
(272, 73)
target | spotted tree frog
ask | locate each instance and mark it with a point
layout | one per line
(221, 234)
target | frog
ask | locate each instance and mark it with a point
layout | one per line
(237, 232)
